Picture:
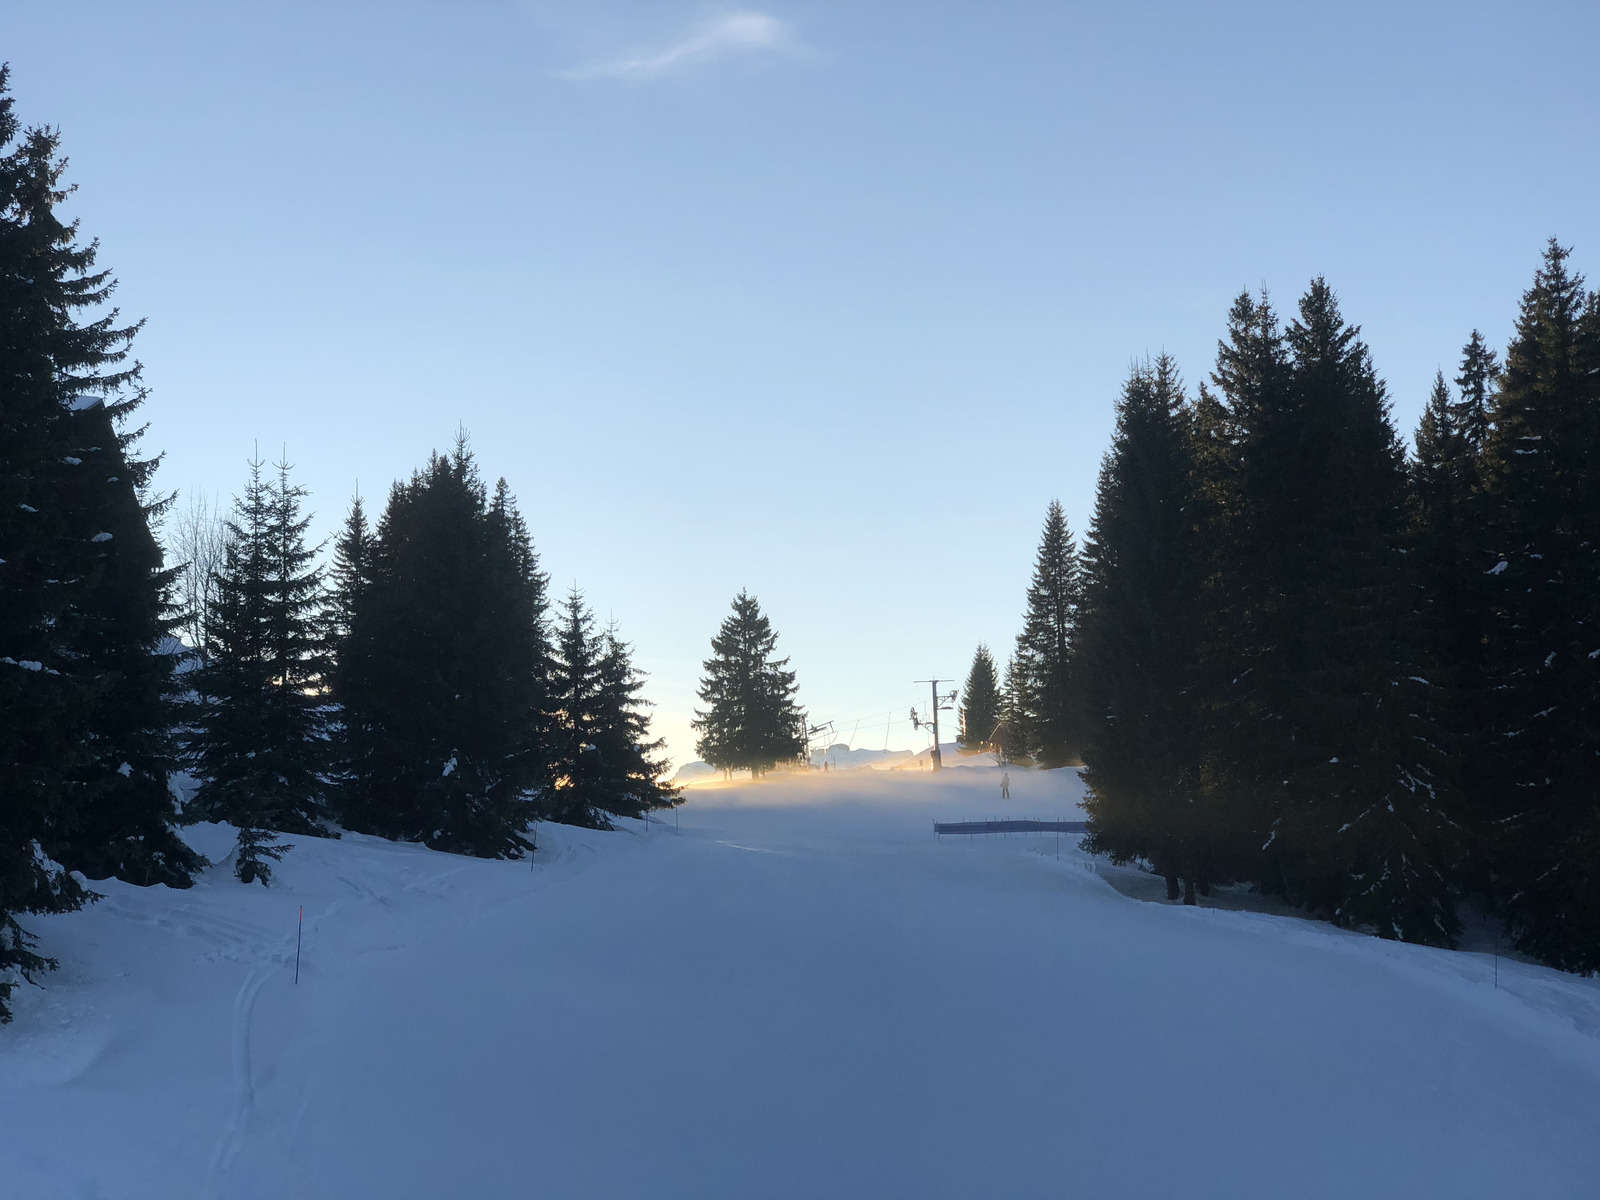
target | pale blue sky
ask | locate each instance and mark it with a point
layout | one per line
(822, 300)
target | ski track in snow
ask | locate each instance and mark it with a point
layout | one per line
(800, 993)
(244, 1091)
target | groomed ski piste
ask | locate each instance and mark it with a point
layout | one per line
(798, 992)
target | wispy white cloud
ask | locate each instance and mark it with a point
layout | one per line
(727, 36)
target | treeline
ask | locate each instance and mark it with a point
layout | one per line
(422, 688)
(1364, 680)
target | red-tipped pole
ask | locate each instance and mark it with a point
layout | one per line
(298, 927)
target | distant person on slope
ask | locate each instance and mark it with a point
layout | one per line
(1005, 785)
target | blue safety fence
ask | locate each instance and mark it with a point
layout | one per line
(1010, 826)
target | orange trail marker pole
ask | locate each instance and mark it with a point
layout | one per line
(300, 925)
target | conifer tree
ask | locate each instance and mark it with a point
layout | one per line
(1444, 477)
(351, 550)
(632, 762)
(1251, 378)
(1230, 840)
(1536, 746)
(1044, 647)
(348, 575)
(1441, 448)
(260, 750)
(601, 761)
(1474, 411)
(980, 701)
(1140, 650)
(750, 721)
(442, 679)
(1013, 736)
(83, 685)
(578, 794)
(123, 822)
(1337, 730)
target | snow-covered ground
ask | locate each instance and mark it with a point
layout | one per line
(799, 993)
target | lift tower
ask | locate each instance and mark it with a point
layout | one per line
(945, 702)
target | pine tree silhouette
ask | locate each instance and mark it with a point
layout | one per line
(750, 721)
(442, 679)
(1337, 740)
(1535, 739)
(1045, 645)
(1141, 644)
(980, 701)
(85, 718)
(260, 750)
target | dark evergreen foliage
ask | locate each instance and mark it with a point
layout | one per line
(1534, 768)
(1446, 475)
(1449, 616)
(633, 763)
(1045, 646)
(980, 702)
(578, 793)
(347, 577)
(442, 678)
(1480, 375)
(1257, 688)
(84, 686)
(1013, 736)
(750, 721)
(122, 823)
(255, 850)
(602, 764)
(1232, 842)
(351, 551)
(1337, 716)
(260, 748)
(1140, 646)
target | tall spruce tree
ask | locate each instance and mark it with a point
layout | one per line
(1045, 645)
(1140, 648)
(122, 823)
(47, 359)
(1446, 474)
(578, 794)
(348, 574)
(750, 721)
(1480, 375)
(442, 679)
(1233, 839)
(1536, 743)
(980, 701)
(84, 742)
(602, 761)
(260, 749)
(1449, 586)
(1013, 736)
(633, 763)
(1337, 736)
(1251, 378)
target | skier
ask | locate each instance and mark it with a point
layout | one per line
(1005, 785)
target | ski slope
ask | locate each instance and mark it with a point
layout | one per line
(800, 993)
